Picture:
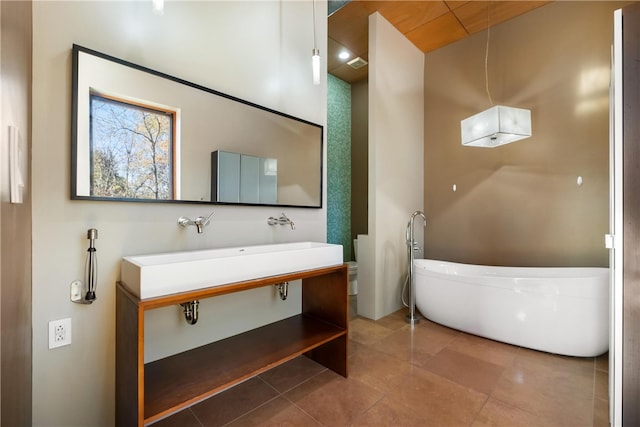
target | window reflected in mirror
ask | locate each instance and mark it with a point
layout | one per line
(132, 148)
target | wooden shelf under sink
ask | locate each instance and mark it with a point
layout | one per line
(151, 391)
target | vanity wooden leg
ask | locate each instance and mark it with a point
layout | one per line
(129, 365)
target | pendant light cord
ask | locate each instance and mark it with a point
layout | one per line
(315, 45)
(315, 53)
(486, 57)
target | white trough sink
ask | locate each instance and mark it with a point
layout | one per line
(150, 276)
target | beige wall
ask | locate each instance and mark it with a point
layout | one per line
(396, 99)
(15, 219)
(519, 204)
(204, 42)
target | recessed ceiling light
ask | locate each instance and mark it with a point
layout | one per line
(344, 55)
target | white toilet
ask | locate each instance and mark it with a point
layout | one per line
(353, 271)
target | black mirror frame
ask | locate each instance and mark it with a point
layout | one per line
(77, 49)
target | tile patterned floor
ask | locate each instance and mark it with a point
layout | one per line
(428, 376)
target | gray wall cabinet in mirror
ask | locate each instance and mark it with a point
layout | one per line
(141, 135)
(242, 178)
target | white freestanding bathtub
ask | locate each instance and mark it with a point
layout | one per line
(557, 310)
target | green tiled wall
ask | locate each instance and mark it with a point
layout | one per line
(339, 164)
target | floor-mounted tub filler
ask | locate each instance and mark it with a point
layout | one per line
(557, 310)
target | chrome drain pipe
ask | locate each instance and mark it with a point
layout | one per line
(190, 310)
(283, 290)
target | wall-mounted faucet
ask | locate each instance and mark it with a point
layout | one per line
(200, 222)
(283, 220)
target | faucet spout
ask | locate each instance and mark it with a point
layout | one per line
(420, 214)
(200, 222)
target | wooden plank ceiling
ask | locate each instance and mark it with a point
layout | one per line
(429, 24)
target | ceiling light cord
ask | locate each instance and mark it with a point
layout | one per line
(486, 58)
(315, 45)
(315, 53)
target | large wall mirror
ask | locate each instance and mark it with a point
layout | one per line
(141, 135)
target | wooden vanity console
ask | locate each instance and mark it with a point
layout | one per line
(151, 391)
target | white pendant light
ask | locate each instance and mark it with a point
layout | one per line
(315, 65)
(496, 126)
(499, 124)
(315, 53)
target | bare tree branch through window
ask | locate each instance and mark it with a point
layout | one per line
(131, 150)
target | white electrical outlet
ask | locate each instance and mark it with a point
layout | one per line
(59, 332)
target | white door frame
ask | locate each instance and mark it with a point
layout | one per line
(614, 240)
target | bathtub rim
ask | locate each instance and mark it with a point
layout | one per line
(505, 277)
